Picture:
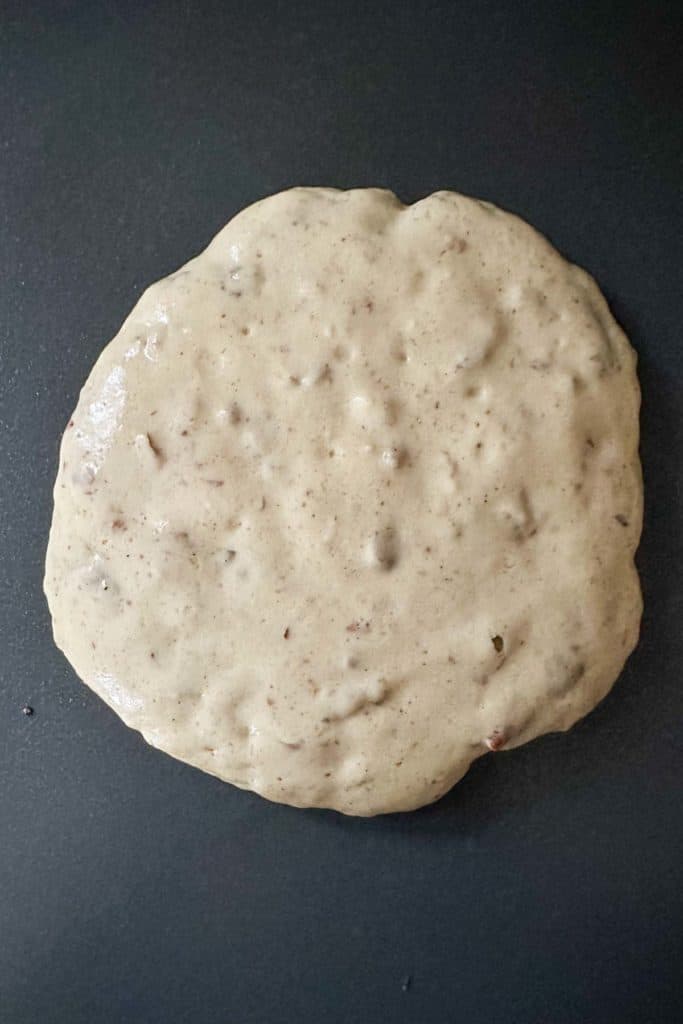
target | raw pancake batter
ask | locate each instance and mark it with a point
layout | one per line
(352, 499)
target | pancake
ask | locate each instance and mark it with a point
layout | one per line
(352, 499)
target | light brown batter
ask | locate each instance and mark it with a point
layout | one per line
(353, 498)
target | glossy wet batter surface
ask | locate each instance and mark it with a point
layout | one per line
(352, 498)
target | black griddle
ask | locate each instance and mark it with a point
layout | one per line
(546, 888)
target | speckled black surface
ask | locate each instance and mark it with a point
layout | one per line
(547, 886)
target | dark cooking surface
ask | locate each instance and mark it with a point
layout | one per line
(546, 889)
